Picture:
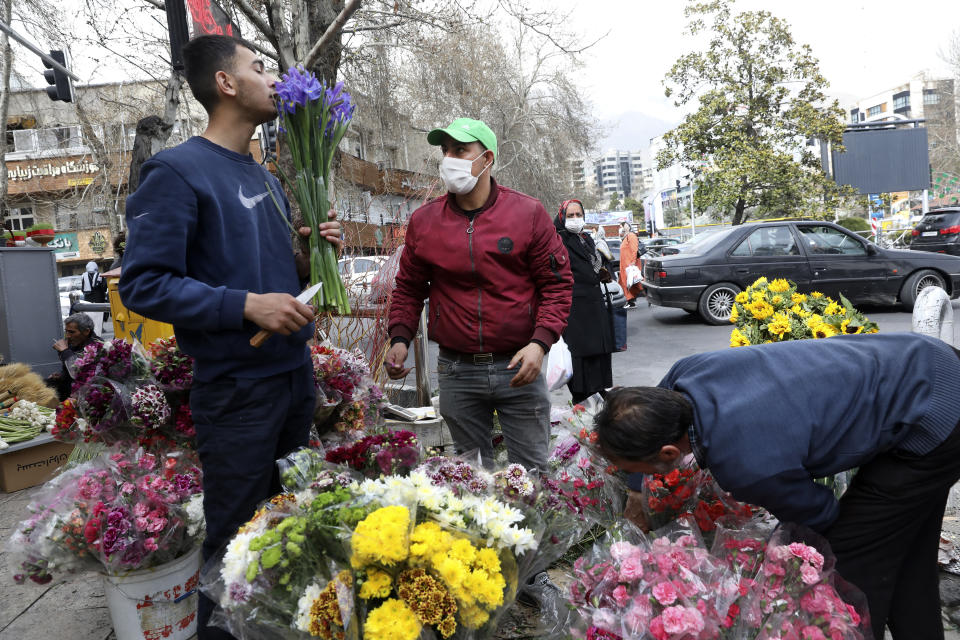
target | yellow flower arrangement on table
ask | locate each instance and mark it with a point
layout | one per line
(773, 311)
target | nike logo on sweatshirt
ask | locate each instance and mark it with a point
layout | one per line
(250, 203)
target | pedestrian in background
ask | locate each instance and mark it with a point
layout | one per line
(498, 279)
(629, 246)
(93, 285)
(589, 332)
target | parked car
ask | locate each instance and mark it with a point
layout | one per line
(817, 256)
(660, 246)
(357, 273)
(939, 231)
(65, 285)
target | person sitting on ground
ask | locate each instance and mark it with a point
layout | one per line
(78, 333)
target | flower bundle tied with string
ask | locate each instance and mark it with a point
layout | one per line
(314, 118)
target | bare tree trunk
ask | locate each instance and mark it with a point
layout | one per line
(6, 54)
(738, 211)
(320, 15)
(153, 131)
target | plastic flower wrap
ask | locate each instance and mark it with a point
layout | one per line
(314, 118)
(671, 588)
(347, 397)
(391, 453)
(796, 591)
(119, 512)
(628, 587)
(115, 360)
(172, 368)
(690, 490)
(773, 311)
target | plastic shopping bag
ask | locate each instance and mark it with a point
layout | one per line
(559, 365)
(634, 275)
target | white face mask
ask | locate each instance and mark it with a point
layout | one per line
(574, 225)
(457, 174)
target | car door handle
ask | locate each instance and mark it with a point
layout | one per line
(743, 270)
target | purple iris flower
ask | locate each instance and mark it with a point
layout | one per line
(296, 87)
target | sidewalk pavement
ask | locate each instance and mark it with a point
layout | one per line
(75, 608)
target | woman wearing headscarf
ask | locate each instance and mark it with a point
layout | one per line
(589, 332)
(629, 245)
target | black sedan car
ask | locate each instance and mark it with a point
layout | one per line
(817, 256)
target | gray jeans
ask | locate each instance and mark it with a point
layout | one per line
(470, 393)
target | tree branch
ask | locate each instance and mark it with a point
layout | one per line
(331, 31)
(251, 14)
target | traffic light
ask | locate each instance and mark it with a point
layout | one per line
(268, 139)
(62, 88)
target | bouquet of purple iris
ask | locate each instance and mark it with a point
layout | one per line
(314, 118)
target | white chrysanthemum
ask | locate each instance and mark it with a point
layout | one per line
(235, 562)
(82, 425)
(310, 594)
(195, 520)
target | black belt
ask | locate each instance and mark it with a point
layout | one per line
(475, 358)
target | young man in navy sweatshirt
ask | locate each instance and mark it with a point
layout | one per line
(208, 251)
(768, 419)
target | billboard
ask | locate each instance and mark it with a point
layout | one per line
(883, 160)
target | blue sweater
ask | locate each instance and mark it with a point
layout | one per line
(768, 419)
(203, 230)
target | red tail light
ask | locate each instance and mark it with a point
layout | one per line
(949, 230)
(914, 233)
(661, 274)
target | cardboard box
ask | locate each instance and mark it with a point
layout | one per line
(30, 463)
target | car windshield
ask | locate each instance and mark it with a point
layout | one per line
(705, 242)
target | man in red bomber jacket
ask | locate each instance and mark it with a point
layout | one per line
(498, 279)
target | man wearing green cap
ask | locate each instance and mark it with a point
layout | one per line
(498, 279)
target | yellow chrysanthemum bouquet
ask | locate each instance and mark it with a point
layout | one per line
(430, 577)
(773, 311)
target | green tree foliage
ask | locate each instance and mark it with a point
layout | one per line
(760, 96)
(615, 201)
(632, 204)
(854, 224)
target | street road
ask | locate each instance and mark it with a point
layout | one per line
(659, 336)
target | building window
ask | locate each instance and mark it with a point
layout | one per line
(20, 219)
(901, 101)
(876, 110)
(930, 96)
(855, 115)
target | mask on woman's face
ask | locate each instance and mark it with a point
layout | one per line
(457, 174)
(573, 225)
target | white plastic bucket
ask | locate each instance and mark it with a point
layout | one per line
(158, 603)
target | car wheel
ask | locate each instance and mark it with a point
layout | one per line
(916, 283)
(716, 302)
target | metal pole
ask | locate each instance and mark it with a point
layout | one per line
(43, 56)
(693, 224)
(420, 356)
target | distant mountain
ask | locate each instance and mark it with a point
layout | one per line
(631, 131)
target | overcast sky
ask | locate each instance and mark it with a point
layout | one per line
(863, 47)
